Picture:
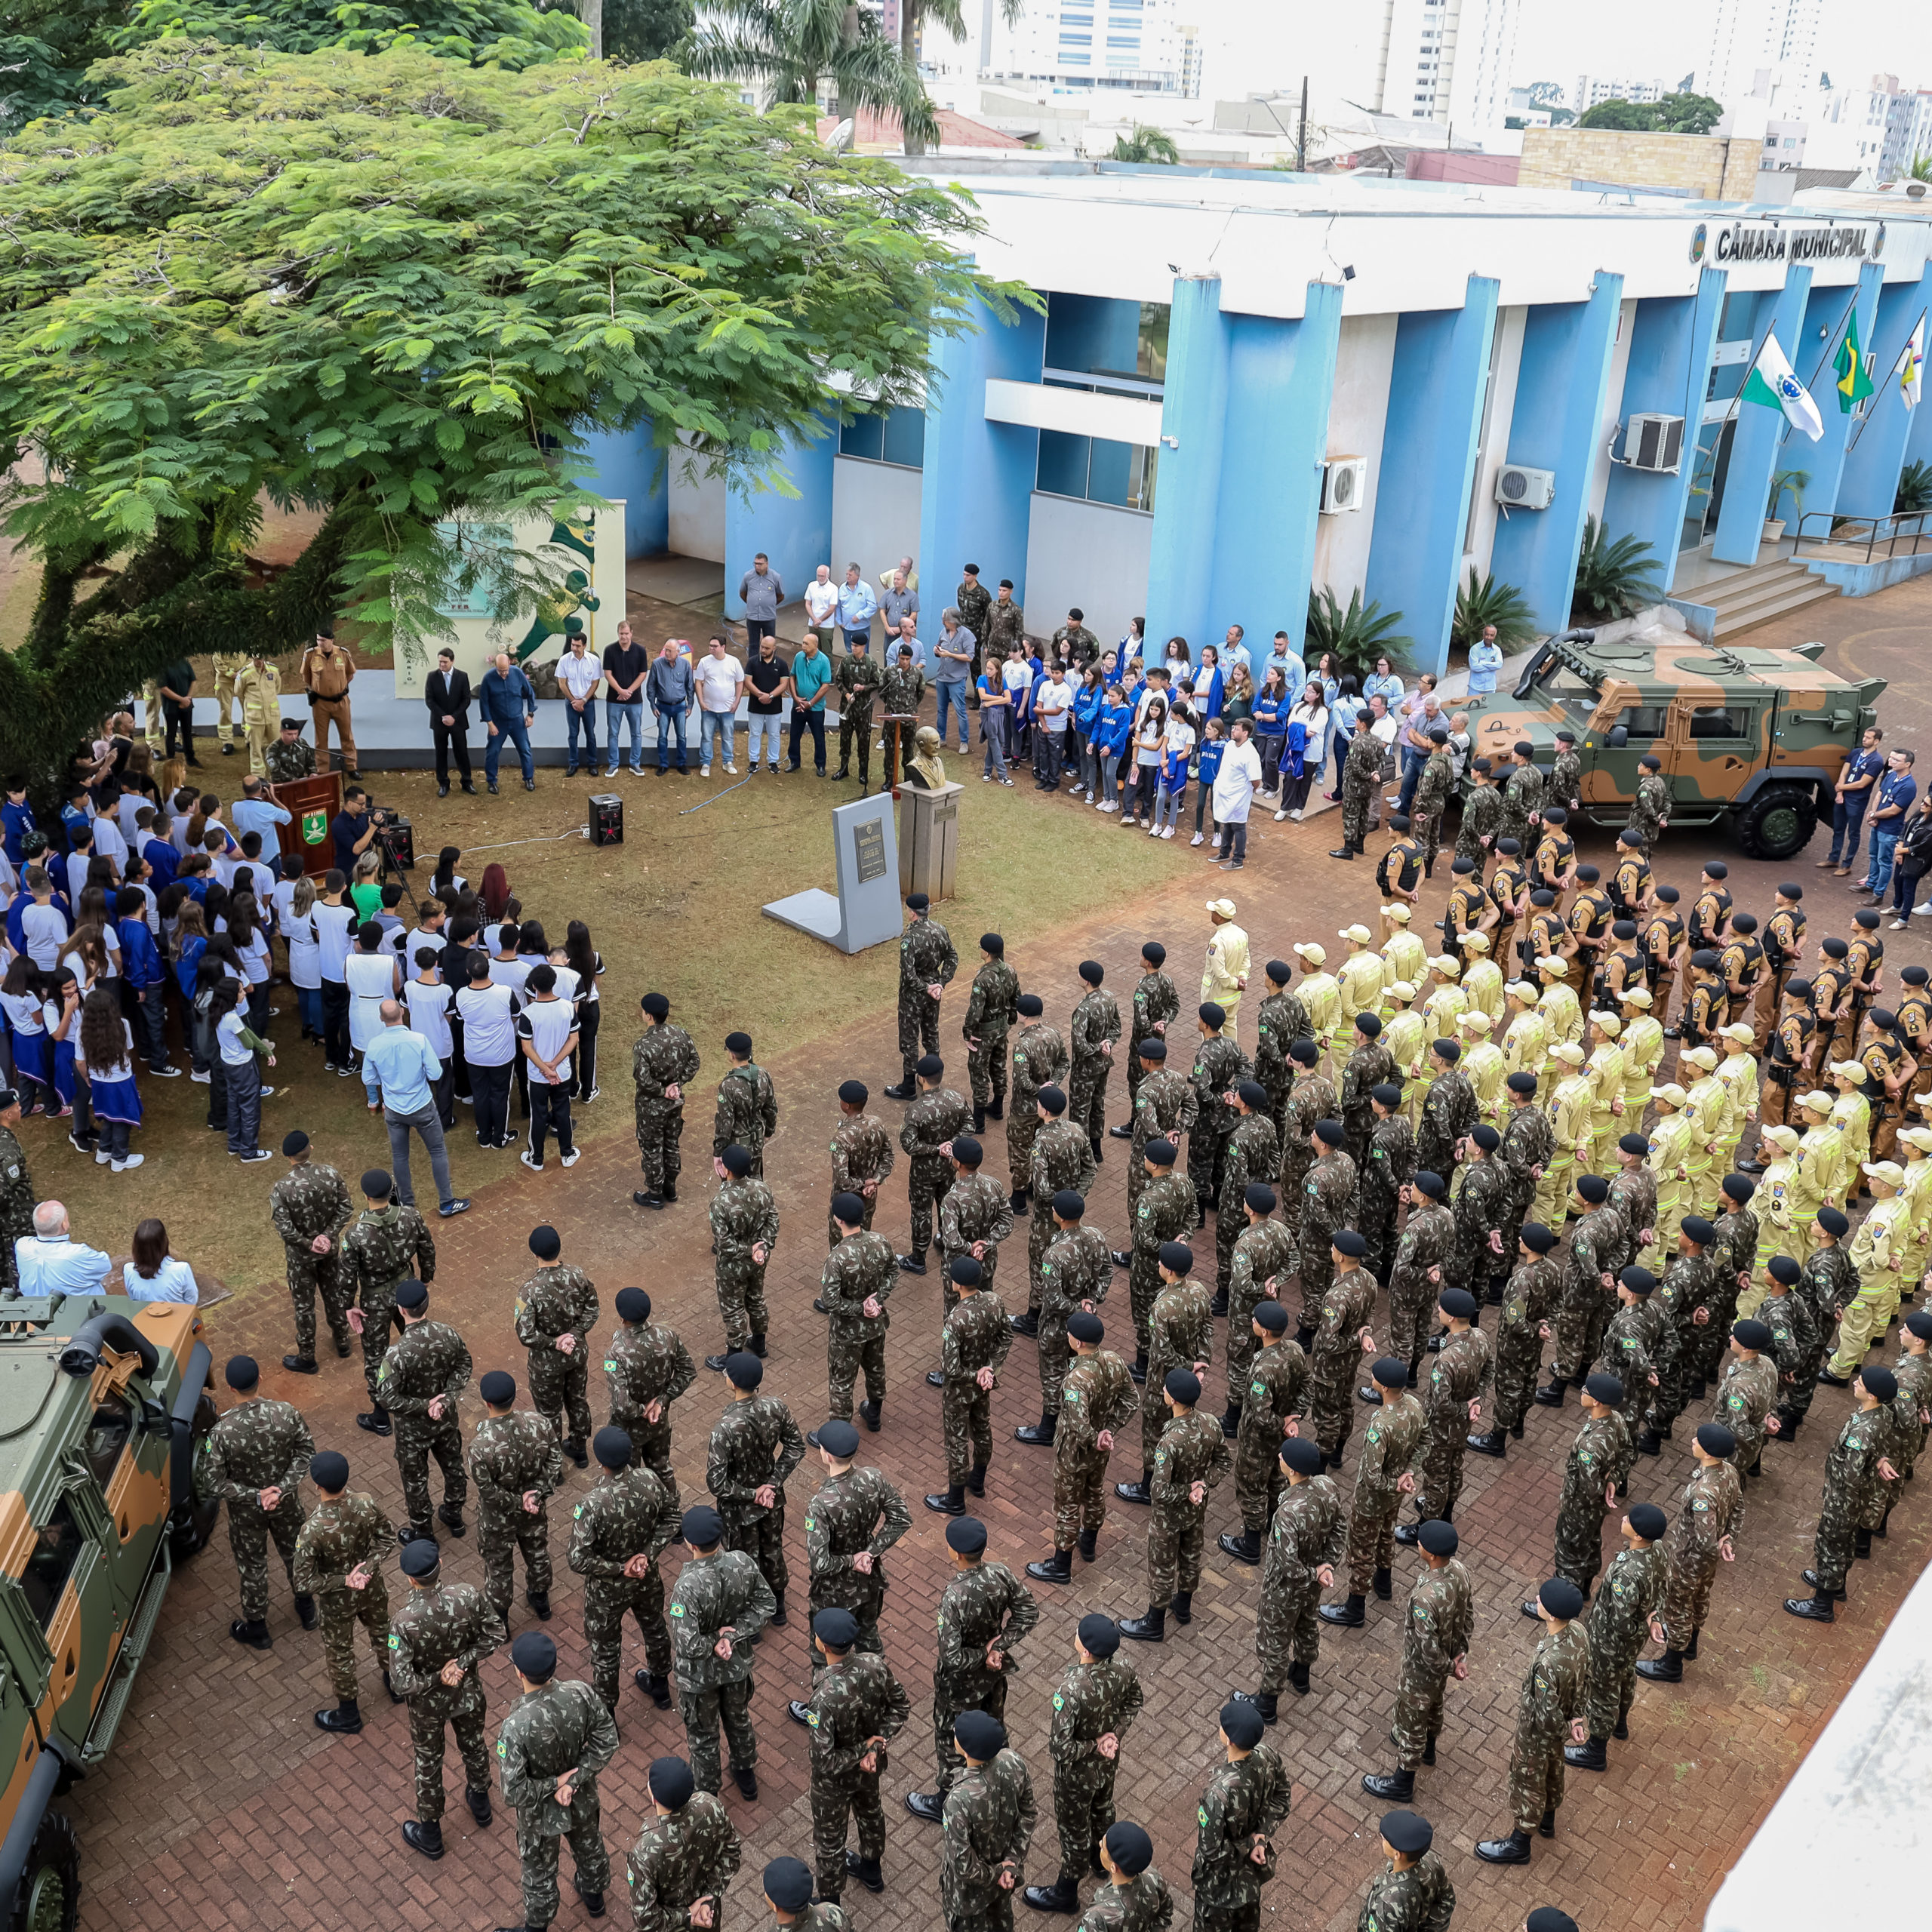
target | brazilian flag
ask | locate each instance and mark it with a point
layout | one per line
(1854, 384)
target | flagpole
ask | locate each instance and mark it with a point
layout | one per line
(1758, 349)
(1834, 339)
(1904, 349)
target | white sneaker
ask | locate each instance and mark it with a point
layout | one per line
(1296, 814)
(573, 1157)
(1168, 833)
(704, 772)
(132, 1160)
(1153, 832)
(1898, 925)
(199, 1079)
(1926, 908)
(1110, 805)
(1090, 797)
(1197, 839)
(1214, 844)
(535, 1166)
(732, 769)
(1279, 816)
(102, 1156)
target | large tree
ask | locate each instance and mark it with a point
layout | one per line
(401, 291)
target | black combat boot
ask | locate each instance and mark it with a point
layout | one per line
(593, 1902)
(657, 1689)
(1058, 1568)
(1546, 1826)
(979, 1120)
(1303, 1336)
(1100, 1154)
(976, 1479)
(1383, 1584)
(1514, 1849)
(1124, 1132)
(1594, 1756)
(1028, 1324)
(669, 1191)
(1691, 1648)
(914, 1263)
(426, 1838)
(1350, 1616)
(757, 1345)
(1017, 1201)
(1245, 1547)
(647, 1200)
(252, 1631)
(1550, 1395)
(1298, 1678)
(1668, 1668)
(996, 1107)
(1649, 1443)
(1343, 852)
(778, 1616)
(1218, 1307)
(1429, 1750)
(1122, 1257)
(1698, 1388)
(867, 1871)
(1409, 1535)
(538, 1601)
(1494, 1444)
(1039, 1434)
(304, 1608)
(1264, 1701)
(903, 1091)
(478, 1801)
(746, 1779)
(1861, 1548)
(1392, 1787)
(868, 1414)
(1151, 1629)
(573, 1447)
(1370, 1393)
(376, 1422)
(1230, 1423)
(1182, 1604)
(1142, 1491)
(1137, 1368)
(1087, 1541)
(1060, 1896)
(451, 1517)
(300, 1365)
(929, 1805)
(347, 1716)
(952, 1503)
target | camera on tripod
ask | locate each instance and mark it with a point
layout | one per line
(395, 838)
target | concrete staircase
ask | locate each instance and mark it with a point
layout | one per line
(1750, 598)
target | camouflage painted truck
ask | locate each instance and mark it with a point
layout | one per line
(104, 1407)
(1750, 738)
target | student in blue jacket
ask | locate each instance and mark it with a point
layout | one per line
(144, 977)
(1088, 702)
(1112, 732)
(1213, 743)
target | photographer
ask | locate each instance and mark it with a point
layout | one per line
(352, 830)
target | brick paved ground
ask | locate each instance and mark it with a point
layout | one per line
(224, 1805)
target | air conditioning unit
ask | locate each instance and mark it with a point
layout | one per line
(1517, 488)
(1654, 443)
(1344, 483)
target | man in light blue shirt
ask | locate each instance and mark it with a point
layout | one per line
(1285, 659)
(858, 605)
(49, 1263)
(254, 812)
(399, 1069)
(1485, 660)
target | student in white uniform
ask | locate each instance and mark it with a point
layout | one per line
(333, 917)
(546, 1037)
(428, 1002)
(372, 975)
(305, 952)
(489, 1045)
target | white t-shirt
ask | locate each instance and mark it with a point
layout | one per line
(429, 1013)
(547, 1024)
(235, 1051)
(821, 601)
(578, 674)
(489, 1039)
(44, 930)
(1017, 676)
(1235, 783)
(719, 682)
(283, 900)
(23, 1012)
(305, 950)
(1056, 702)
(1384, 729)
(513, 971)
(173, 1280)
(108, 843)
(122, 1066)
(332, 929)
(414, 942)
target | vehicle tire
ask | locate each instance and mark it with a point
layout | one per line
(1777, 822)
(191, 1530)
(49, 1889)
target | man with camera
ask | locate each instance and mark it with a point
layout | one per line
(353, 829)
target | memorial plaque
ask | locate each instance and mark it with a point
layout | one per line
(868, 849)
(866, 910)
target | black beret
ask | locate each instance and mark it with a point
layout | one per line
(377, 1184)
(850, 1208)
(702, 1526)
(1913, 976)
(1083, 1325)
(854, 1093)
(411, 1294)
(1154, 952)
(836, 1629)
(1751, 1334)
(739, 1044)
(656, 1005)
(1184, 1386)
(1648, 1520)
(1868, 919)
(421, 1557)
(1510, 848)
(1669, 894)
(329, 1469)
(1879, 1381)
(1331, 1133)
(978, 1735)
(293, 1143)
(1483, 764)
(930, 1067)
(1883, 1018)
(1623, 929)
(965, 1271)
(992, 942)
(1386, 1092)
(1052, 1099)
(1833, 1220)
(917, 901)
(1457, 1302)
(1634, 1143)
(1485, 1137)
(1449, 1050)
(1549, 1917)
(1408, 1832)
(1589, 874)
(737, 1161)
(1593, 1188)
(1919, 1323)
(1390, 1372)
(1177, 1256)
(967, 1535)
(743, 1370)
(1604, 1388)
(672, 1783)
(1069, 1204)
(1280, 972)
(1715, 1440)
(1560, 1597)
(1302, 1454)
(1783, 1268)
(1833, 949)
(1716, 869)
(1463, 866)
(967, 1151)
(1099, 1635)
(1439, 734)
(838, 1439)
(1399, 821)
(498, 1389)
(612, 1447)
(1304, 1053)
(1242, 1722)
(1429, 1183)
(1031, 1005)
(1695, 1228)
(633, 1305)
(1272, 1316)
(1153, 1050)
(241, 1372)
(1368, 1024)
(1213, 1014)
(1252, 1094)
(789, 1884)
(1706, 959)
(1132, 1850)
(1346, 1241)
(545, 1242)
(1260, 1196)
(535, 1657)
(1536, 1238)
(1092, 972)
(1555, 815)
(1439, 1536)
(1639, 1281)
(1522, 1082)
(1746, 923)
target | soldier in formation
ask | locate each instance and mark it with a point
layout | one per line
(1435, 1647)
(1243, 1804)
(988, 1826)
(425, 1370)
(340, 1552)
(310, 1207)
(719, 1605)
(744, 1228)
(388, 1244)
(755, 1447)
(663, 1064)
(991, 1007)
(1099, 1400)
(862, 1156)
(685, 1857)
(926, 963)
(556, 1309)
(646, 1368)
(747, 1112)
(854, 1519)
(855, 1284)
(856, 1708)
(616, 1533)
(973, 1344)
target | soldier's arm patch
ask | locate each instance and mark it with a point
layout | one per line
(677, 1609)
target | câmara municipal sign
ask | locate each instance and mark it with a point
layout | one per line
(1740, 243)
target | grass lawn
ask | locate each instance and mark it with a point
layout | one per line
(676, 909)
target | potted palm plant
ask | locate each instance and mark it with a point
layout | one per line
(1786, 481)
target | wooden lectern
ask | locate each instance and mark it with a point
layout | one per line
(311, 803)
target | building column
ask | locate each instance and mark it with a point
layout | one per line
(625, 463)
(794, 531)
(1428, 449)
(1757, 445)
(1827, 460)
(1183, 549)
(1876, 451)
(1671, 342)
(1561, 384)
(977, 490)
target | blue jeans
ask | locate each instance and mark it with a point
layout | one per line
(1885, 843)
(309, 999)
(994, 719)
(1413, 762)
(625, 714)
(586, 720)
(1848, 826)
(767, 726)
(955, 695)
(712, 726)
(515, 733)
(670, 718)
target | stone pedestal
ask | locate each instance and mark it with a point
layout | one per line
(928, 840)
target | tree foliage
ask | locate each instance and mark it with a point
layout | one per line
(1615, 577)
(45, 53)
(1679, 113)
(1483, 601)
(482, 33)
(639, 30)
(1148, 146)
(1355, 637)
(403, 291)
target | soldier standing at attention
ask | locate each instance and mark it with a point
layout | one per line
(1099, 1399)
(1412, 1892)
(1486, 1196)
(1281, 1021)
(1180, 1335)
(862, 1156)
(1250, 1153)
(684, 1856)
(551, 1744)
(1650, 808)
(1264, 1253)
(1224, 977)
(1339, 1341)
(387, 1240)
(1548, 1715)
(988, 1822)
(1326, 1194)
(935, 1117)
(1098, 1698)
(1092, 1032)
(747, 1113)
(1521, 1329)
(1135, 1897)
(974, 602)
(719, 1604)
(991, 1009)
(857, 678)
(1311, 1098)
(853, 1520)
(556, 1309)
(788, 1891)
(1192, 1459)
(744, 1227)
(1481, 824)
(754, 1446)
(1163, 1214)
(1853, 1467)
(616, 1534)
(927, 962)
(423, 1372)
(309, 1207)
(442, 1632)
(1039, 1060)
(1452, 1401)
(1155, 1004)
(1709, 1514)
(1244, 1800)
(339, 1554)
(857, 1278)
(517, 1464)
(1449, 1110)
(1432, 794)
(1305, 1542)
(1748, 1392)
(1076, 1274)
(647, 1368)
(1362, 769)
(1598, 1464)
(856, 1706)
(1385, 1473)
(1389, 1167)
(1435, 1647)
(663, 1064)
(1063, 1158)
(1624, 1613)
(973, 1343)
(985, 1612)
(1276, 1374)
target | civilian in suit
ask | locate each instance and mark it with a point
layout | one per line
(446, 691)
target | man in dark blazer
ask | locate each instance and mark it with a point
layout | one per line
(446, 691)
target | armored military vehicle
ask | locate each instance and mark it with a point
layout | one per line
(1749, 737)
(104, 1406)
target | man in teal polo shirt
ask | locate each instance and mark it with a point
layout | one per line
(811, 679)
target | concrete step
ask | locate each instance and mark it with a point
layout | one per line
(1774, 600)
(1747, 586)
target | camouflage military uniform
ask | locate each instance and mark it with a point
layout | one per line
(1449, 1110)
(1483, 1195)
(646, 1363)
(509, 1456)
(1529, 1145)
(1711, 1509)
(1144, 1904)
(899, 692)
(1309, 1534)
(1219, 1067)
(1851, 1475)
(1006, 625)
(754, 1443)
(257, 1445)
(747, 1114)
(1649, 809)
(561, 1728)
(1597, 1242)
(743, 1216)
(1039, 1060)
(1830, 1283)
(1164, 1212)
(1480, 826)
(856, 680)
(1250, 1153)
(427, 1360)
(854, 1699)
(677, 1860)
(308, 1201)
(1389, 1452)
(1262, 1258)
(926, 957)
(1619, 1625)
(1165, 1108)
(450, 1623)
(627, 1514)
(1522, 800)
(1527, 1301)
(1389, 1165)
(1417, 1279)
(974, 603)
(1077, 1272)
(1192, 1449)
(1744, 1400)
(1361, 772)
(984, 1608)
(1552, 1697)
(1432, 794)
(1336, 1356)
(1326, 1195)
(725, 1590)
(1063, 1158)
(1281, 1021)
(287, 763)
(341, 1534)
(1311, 1098)
(1242, 1802)
(17, 1207)
(379, 1253)
(861, 1152)
(1094, 1701)
(932, 1120)
(975, 1210)
(988, 1825)
(1180, 1333)
(1154, 1007)
(1094, 1027)
(1460, 1376)
(1435, 1634)
(860, 1269)
(990, 1013)
(859, 1510)
(662, 1057)
(1098, 1397)
(1271, 1393)
(977, 1336)
(556, 1301)
(1685, 1289)
(1599, 1458)
(1419, 1900)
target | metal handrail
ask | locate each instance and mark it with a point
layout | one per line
(1841, 533)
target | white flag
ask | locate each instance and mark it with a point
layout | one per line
(1912, 364)
(1772, 383)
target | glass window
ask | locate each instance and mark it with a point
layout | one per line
(1062, 469)
(1102, 472)
(106, 1437)
(1151, 362)
(1123, 40)
(1076, 40)
(863, 436)
(1714, 721)
(1642, 720)
(56, 1550)
(894, 435)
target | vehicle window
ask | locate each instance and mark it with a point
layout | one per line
(1642, 720)
(106, 1437)
(1715, 720)
(56, 1550)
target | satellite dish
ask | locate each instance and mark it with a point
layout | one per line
(840, 140)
